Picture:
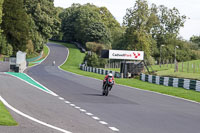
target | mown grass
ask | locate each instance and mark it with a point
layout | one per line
(189, 69)
(76, 57)
(5, 117)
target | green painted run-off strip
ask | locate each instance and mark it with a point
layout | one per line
(26, 78)
(39, 61)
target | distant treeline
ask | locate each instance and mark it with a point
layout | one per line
(28, 24)
(151, 28)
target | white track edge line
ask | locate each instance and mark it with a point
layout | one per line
(114, 129)
(103, 122)
(31, 118)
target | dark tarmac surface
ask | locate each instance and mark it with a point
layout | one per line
(128, 109)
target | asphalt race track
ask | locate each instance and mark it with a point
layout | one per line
(126, 109)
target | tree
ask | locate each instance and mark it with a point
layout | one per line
(97, 32)
(138, 21)
(195, 40)
(16, 24)
(88, 22)
(59, 34)
(170, 22)
(149, 28)
(44, 20)
(114, 27)
(1, 9)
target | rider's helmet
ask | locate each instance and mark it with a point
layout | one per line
(110, 75)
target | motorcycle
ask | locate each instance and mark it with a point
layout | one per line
(108, 86)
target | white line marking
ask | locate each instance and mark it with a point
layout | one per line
(72, 105)
(67, 102)
(96, 118)
(61, 98)
(31, 118)
(114, 129)
(52, 93)
(103, 122)
(66, 57)
(77, 107)
(90, 114)
(82, 110)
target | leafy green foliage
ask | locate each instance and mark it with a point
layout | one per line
(45, 21)
(44, 16)
(97, 32)
(59, 34)
(15, 24)
(150, 28)
(93, 58)
(88, 23)
(1, 14)
(95, 47)
(195, 40)
(138, 21)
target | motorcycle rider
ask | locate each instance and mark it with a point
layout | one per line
(106, 77)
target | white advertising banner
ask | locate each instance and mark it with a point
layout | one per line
(126, 55)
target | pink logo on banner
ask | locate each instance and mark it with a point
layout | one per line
(136, 55)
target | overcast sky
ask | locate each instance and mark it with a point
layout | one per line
(190, 8)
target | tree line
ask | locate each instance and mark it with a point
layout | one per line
(151, 28)
(27, 25)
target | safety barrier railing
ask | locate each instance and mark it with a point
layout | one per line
(99, 71)
(170, 81)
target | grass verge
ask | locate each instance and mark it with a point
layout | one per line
(76, 57)
(189, 69)
(45, 53)
(5, 117)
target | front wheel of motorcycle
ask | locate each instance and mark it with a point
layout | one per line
(103, 92)
(106, 91)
